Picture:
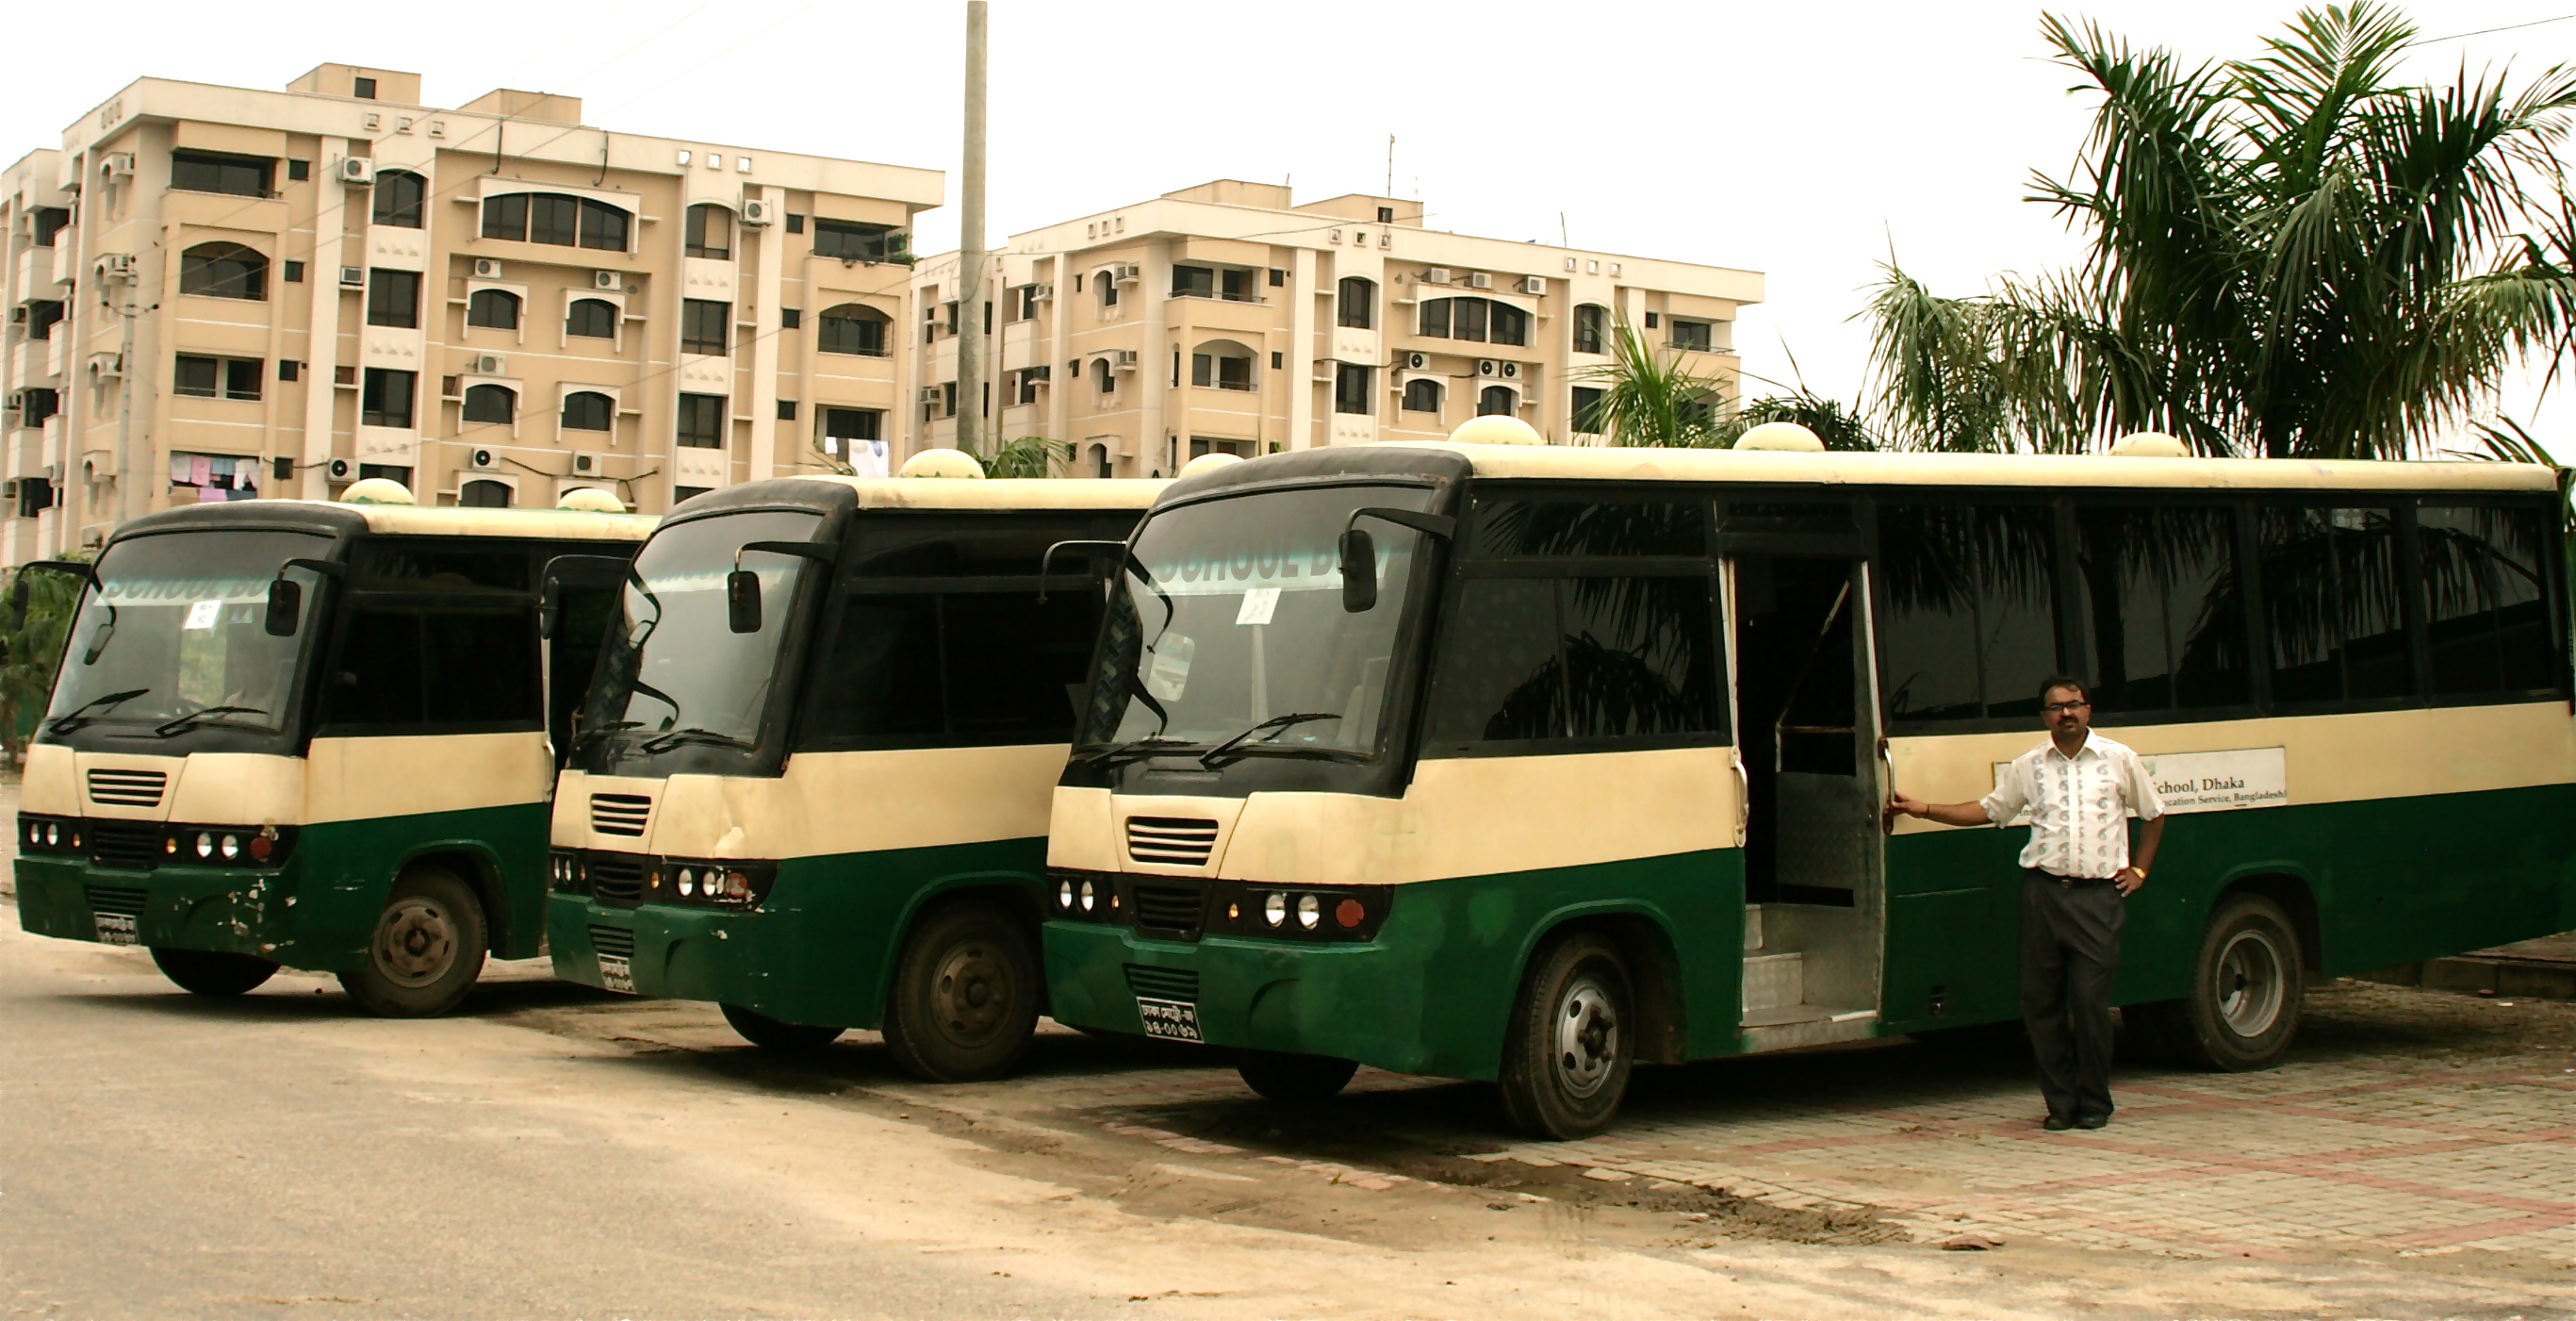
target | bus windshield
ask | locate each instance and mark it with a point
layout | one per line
(1229, 630)
(675, 675)
(174, 639)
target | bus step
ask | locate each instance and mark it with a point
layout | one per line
(1773, 980)
(1752, 927)
(1790, 1015)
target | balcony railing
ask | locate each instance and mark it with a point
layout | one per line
(1220, 297)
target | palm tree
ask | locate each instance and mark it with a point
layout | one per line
(31, 648)
(2293, 254)
(1029, 456)
(1652, 398)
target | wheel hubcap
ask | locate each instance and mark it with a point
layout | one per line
(1587, 1038)
(2251, 984)
(415, 942)
(971, 997)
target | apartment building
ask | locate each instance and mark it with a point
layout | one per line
(223, 293)
(1227, 319)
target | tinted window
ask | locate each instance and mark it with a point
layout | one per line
(1969, 627)
(1498, 677)
(393, 298)
(385, 399)
(399, 194)
(1587, 658)
(506, 217)
(553, 218)
(482, 666)
(592, 318)
(704, 325)
(377, 680)
(1582, 527)
(206, 172)
(2332, 605)
(2163, 603)
(492, 308)
(2485, 589)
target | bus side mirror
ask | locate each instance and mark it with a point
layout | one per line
(285, 607)
(742, 601)
(1359, 571)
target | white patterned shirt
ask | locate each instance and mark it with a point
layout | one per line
(2079, 806)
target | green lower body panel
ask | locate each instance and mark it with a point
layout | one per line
(314, 912)
(819, 949)
(1433, 992)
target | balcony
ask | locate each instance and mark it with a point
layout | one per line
(1219, 296)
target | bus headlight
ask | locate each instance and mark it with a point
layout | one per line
(689, 884)
(205, 845)
(1089, 896)
(230, 847)
(1064, 895)
(1274, 908)
(1310, 910)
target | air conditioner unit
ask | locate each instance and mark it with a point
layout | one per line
(106, 366)
(1417, 361)
(1125, 272)
(17, 401)
(487, 364)
(929, 394)
(1042, 291)
(1534, 284)
(755, 212)
(1045, 373)
(483, 458)
(585, 463)
(354, 169)
(353, 277)
(1125, 359)
(118, 165)
(9, 489)
(486, 269)
(1488, 367)
(1436, 275)
(1511, 371)
(341, 470)
(1479, 280)
(607, 280)
(116, 265)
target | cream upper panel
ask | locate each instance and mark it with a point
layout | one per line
(1465, 816)
(49, 784)
(357, 779)
(828, 803)
(1918, 469)
(240, 788)
(2330, 759)
(210, 788)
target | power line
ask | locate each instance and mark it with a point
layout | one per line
(2509, 27)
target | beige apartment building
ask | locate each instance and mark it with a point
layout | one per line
(1224, 318)
(223, 293)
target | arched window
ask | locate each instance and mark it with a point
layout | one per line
(1496, 399)
(1359, 302)
(491, 403)
(496, 309)
(710, 232)
(223, 270)
(399, 194)
(1106, 287)
(1421, 395)
(1592, 329)
(592, 318)
(1481, 320)
(1103, 376)
(1221, 364)
(852, 328)
(588, 410)
(557, 219)
(484, 494)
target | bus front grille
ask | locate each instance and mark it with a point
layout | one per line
(1173, 840)
(613, 942)
(620, 814)
(1173, 909)
(616, 881)
(124, 901)
(127, 788)
(125, 846)
(1163, 983)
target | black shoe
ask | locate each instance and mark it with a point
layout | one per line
(2058, 1123)
(2093, 1121)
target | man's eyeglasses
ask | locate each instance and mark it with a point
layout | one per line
(2061, 708)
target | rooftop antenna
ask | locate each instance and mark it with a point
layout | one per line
(1390, 165)
(1561, 238)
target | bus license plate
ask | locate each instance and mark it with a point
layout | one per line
(615, 974)
(1172, 1020)
(115, 928)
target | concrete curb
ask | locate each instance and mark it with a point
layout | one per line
(2534, 979)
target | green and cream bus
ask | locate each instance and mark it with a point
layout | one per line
(1526, 763)
(313, 735)
(810, 779)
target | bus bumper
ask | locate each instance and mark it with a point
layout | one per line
(670, 952)
(219, 909)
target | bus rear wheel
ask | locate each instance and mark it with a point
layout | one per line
(426, 950)
(2246, 989)
(773, 1035)
(206, 972)
(1568, 1051)
(1294, 1079)
(965, 997)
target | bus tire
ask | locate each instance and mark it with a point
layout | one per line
(206, 972)
(426, 950)
(1294, 1079)
(778, 1037)
(1570, 1046)
(2245, 990)
(965, 997)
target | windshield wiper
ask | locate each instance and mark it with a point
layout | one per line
(1152, 745)
(664, 742)
(174, 727)
(1275, 725)
(604, 731)
(79, 715)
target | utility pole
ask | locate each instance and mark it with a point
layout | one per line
(130, 485)
(970, 245)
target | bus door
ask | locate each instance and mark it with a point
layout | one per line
(1807, 722)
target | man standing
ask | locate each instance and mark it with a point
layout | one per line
(2080, 789)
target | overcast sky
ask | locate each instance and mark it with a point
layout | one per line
(1802, 141)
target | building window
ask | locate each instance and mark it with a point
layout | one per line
(795, 223)
(702, 421)
(1026, 304)
(1496, 399)
(1653, 320)
(399, 194)
(299, 171)
(850, 241)
(41, 403)
(288, 369)
(1591, 329)
(493, 309)
(791, 318)
(1588, 417)
(484, 493)
(1692, 336)
(1106, 287)
(217, 378)
(1193, 282)
(208, 172)
(1030, 379)
(557, 219)
(1479, 320)
(1221, 364)
(491, 403)
(587, 410)
(385, 399)
(710, 232)
(1103, 377)
(680, 494)
(294, 273)
(43, 315)
(852, 328)
(1350, 388)
(223, 270)
(393, 298)
(212, 478)
(591, 318)
(1386, 215)
(948, 398)
(703, 326)
(364, 89)
(841, 426)
(1278, 278)
(1421, 396)
(49, 221)
(1359, 303)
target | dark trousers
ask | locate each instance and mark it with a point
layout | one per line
(2070, 947)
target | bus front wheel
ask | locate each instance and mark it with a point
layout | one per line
(770, 1034)
(426, 950)
(1294, 1079)
(965, 997)
(2245, 991)
(207, 972)
(1567, 1054)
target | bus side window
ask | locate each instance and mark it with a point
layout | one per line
(2336, 624)
(2485, 588)
(376, 678)
(1579, 657)
(1498, 678)
(1969, 626)
(2164, 605)
(482, 667)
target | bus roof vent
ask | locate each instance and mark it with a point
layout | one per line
(1780, 436)
(377, 491)
(2150, 445)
